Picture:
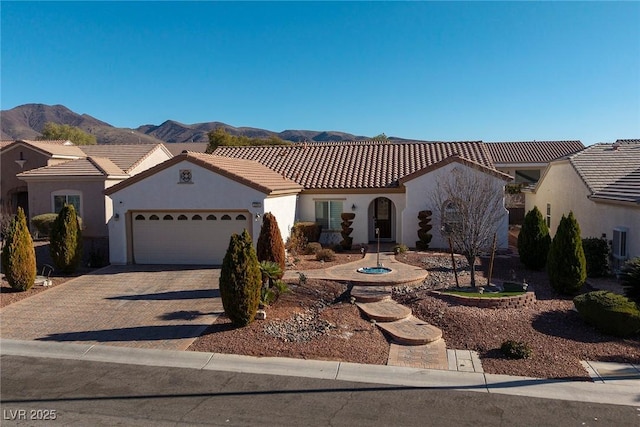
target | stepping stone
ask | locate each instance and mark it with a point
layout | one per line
(411, 331)
(371, 293)
(426, 356)
(384, 311)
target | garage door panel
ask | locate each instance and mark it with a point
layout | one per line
(189, 241)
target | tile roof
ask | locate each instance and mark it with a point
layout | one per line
(86, 167)
(54, 148)
(126, 157)
(355, 165)
(247, 172)
(176, 148)
(610, 171)
(531, 151)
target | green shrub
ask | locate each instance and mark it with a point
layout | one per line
(424, 230)
(43, 223)
(347, 221)
(566, 265)
(630, 276)
(309, 230)
(325, 255)
(65, 242)
(400, 249)
(270, 246)
(18, 254)
(296, 242)
(240, 280)
(312, 248)
(610, 313)
(596, 253)
(534, 240)
(516, 349)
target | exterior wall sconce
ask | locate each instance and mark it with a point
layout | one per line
(354, 207)
(258, 216)
(116, 216)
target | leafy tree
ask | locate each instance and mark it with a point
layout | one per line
(534, 240)
(566, 264)
(631, 279)
(270, 246)
(18, 254)
(470, 207)
(220, 137)
(74, 134)
(240, 280)
(65, 242)
(381, 137)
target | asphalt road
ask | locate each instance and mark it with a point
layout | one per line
(105, 394)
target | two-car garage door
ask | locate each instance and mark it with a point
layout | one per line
(184, 237)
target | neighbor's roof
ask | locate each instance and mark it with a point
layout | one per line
(356, 165)
(176, 148)
(126, 157)
(247, 172)
(53, 148)
(86, 167)
(531, 151)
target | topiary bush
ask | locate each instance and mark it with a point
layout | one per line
(596, 253)
(630, 277)
(610, 313)
(347, 220)
(400, 249)
(65, 241)
(240, 280)
(534, 240)
(566, 264)
(18, 254)
(43, 223)
(325, 255)
(424, 234)
(270, 246)
(516, 349)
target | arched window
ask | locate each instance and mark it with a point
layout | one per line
(241, 218)
(154, 218)
(451, 220)
(139, 217)
(225, 217)
(211, 218)
(182, 218)
(196, 218)
(167, 218)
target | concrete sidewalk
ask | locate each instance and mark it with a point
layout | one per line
(623, 390)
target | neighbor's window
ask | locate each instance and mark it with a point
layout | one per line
(450, 217)
(61, 199)
(548, 215)
(328, 214)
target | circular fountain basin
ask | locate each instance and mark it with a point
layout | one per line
(374, 270)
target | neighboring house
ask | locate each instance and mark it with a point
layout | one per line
(385, 184)
(57, 174)
(601, 185)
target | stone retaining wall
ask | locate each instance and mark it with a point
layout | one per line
(519, 301)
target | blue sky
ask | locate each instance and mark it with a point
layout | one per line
(504, 71)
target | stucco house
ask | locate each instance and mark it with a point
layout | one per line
(42, 176)
(601, 185)
(185, 209)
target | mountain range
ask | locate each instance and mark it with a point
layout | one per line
(27, 121)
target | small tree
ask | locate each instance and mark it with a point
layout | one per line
(630, 276)
(65, 242)
(18, 254)
(270, 246)
(240, 280)
(71, 133)
(534, 240)
(470, 206)
(566, 264)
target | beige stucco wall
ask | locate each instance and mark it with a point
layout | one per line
(565, 191)
(8, 181)
(162, 190)
(284, 209)
(92, 201)
(158, 155)
(419, 197)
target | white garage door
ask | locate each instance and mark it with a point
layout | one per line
(184, 238)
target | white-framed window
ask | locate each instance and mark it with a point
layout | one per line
(66, 197)
(451, 220)
(328, 214)
(619, 244)
(548, 215)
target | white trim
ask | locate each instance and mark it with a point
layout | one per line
(68, 193)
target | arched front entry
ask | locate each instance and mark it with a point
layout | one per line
(382, 215)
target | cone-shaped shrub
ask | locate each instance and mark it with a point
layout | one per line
(65, 241)
(270, 246)
(566, 265)
(534, 240)
(424, 232)
(18, 254)
(240, 280)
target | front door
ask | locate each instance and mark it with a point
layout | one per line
(382, 217)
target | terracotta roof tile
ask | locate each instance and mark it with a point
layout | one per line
(360, 164)
(125, 156)
(51, 148)
(85, 167)
(531, 151)
(176, 148)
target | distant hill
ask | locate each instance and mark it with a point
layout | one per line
(26, 122)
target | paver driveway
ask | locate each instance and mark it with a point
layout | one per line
(163, 307)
